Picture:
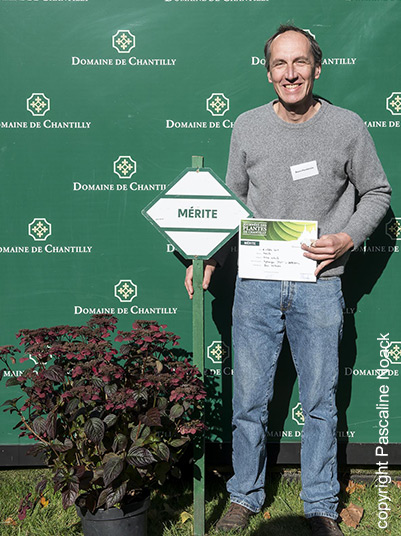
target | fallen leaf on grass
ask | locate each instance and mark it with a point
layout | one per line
(353, 486)
(397, 483)
(267, 515)
(44, 502)
(352, 515)
(10, 521)
(185, 516)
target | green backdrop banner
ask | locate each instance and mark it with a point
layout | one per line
(103, 104)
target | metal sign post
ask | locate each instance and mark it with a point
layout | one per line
(198, 334)
(198, 311)
(197, 213)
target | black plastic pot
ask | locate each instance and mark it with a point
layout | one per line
(131, 520)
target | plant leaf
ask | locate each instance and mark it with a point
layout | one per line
(39, 448)
(117, 495)
(51, 425)
(120, 443)
(110, 420)
(139, 431)
(140, 457)
(44, 502)
(162, 403)
(12, 381)
(41, 486)
(110, 388)
(176, 443)
(54, 373)
(152, 417)
(94, 430)
(354, 486)
(103, 496)
(62, 447)
(163, 451)
(72, 405)
(97, 382)
(112, 469)
(69, 494)
(352, 515)
(185, 516)
(176, 411)
(11, 402)
(68, 444)
(97, 473)
(39, 425)
(80, 470)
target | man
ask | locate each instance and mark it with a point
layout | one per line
(347, 192)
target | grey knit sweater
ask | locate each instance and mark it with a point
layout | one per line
(323, 169)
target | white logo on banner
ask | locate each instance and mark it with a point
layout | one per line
(297, 414)
(393, 103)
(125, 290)
(217, 104)
(38, 104)
(124, 167)
(218, 352)
(393, 228)
(40, 229)
(309, 32)
(123, 41)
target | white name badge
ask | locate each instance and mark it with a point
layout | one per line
(303, 171)
(271, 249)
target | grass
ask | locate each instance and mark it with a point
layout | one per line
(171, 509)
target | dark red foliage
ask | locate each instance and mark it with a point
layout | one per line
(109, 420)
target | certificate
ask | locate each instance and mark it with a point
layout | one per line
(271, 249)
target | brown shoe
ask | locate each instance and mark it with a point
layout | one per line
(236, 517)
(324, 526)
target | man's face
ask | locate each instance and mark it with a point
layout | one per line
(292, 70)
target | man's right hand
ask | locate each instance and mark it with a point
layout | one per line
(208, 269)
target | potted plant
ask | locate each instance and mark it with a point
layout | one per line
(111, 422)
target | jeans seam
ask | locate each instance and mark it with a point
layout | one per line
(331, 515)
(265, 413)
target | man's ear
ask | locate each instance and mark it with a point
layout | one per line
(318, 70)
(269, 77)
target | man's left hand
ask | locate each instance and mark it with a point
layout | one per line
(327, 249)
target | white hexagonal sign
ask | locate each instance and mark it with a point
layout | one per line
(197, 213)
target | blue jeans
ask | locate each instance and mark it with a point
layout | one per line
(312, 316)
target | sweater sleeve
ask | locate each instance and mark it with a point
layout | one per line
(237, 178)
(366, 174)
